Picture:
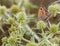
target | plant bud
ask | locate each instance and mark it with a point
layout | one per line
(53, 9)
(2, 9)
(41, 25)
(21, 17)
(11, 20)
(5, 40)
(14, 9)
(53, 28)
(12, 40)
(13, 28)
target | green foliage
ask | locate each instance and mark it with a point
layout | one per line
(55, 40)
(30, 44)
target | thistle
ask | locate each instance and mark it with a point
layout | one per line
(2, 10)
(53, 28)
(5, 40)
(21, 17)
(13, 28)
(14, 9)
(10, 20)
(11, 40)
(41, 25)
(53, 9)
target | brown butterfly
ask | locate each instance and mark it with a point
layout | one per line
(42, 14)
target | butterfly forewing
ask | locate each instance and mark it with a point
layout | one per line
(42, 13)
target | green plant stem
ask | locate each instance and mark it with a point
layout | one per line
(45, 38)
(2, 29)
(49, 42)
(33, 33)
(50, 35)
(26, 40)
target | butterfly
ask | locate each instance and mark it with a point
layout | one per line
(42, 14)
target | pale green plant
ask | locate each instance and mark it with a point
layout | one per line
(20, 33)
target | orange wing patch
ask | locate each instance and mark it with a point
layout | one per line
(40, 11)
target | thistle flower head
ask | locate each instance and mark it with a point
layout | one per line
(13, 28)
(5, 40)
(2, 9)
(53, 28)
(10, 20)
(41, 25)
(14, 9)
(53, 9)
(21, 17)
(12, 40)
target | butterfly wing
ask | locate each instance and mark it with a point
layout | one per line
(42, 14)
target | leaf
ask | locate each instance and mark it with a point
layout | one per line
(32, 39)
